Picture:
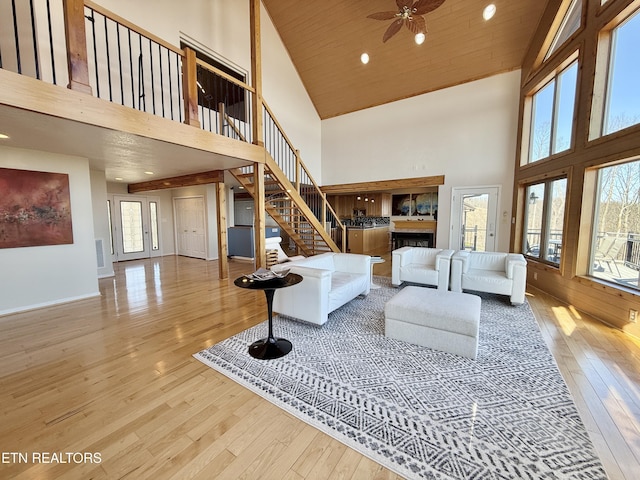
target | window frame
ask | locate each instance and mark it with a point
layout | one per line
(545, 216)
(529, 111)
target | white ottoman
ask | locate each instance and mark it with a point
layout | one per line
(442, 320)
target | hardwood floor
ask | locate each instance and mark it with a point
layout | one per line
(114, 376)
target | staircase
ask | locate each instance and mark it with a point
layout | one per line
(301, 212)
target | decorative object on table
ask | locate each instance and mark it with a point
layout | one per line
(35, 209)
(420, 412)
(268, 281)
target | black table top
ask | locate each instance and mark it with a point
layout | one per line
(273, 283)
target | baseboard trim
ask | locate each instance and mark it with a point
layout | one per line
(37, 306)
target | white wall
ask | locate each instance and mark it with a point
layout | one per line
(32, 277)
(466, 133)
(101, 220)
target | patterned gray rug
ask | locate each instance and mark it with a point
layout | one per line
(419, 412)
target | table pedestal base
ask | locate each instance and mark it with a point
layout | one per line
(268, 348)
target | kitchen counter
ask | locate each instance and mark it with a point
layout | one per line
(368, 240)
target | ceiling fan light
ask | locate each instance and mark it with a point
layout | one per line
(419, 38)
(364, 58)
(489, 11)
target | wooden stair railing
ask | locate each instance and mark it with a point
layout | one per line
(289, 209)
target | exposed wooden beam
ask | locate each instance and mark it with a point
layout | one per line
(384, 185)
(204, 178)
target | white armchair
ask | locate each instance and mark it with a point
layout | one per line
(427, 266)
(329, 281)
(491, 272)
(273, 243)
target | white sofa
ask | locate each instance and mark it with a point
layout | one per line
(329, 281)
(426, 266)
(491, 272)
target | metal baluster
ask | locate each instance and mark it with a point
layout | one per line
(120, 64)
(133, 90)
(53, 61)
(170, 82)
(106, 41)
(161, 79)
(15, 32)
(153, 83)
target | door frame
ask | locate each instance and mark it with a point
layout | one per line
(118, 255)
(204, 218)
(456, 213)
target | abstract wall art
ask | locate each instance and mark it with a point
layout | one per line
(35, 209)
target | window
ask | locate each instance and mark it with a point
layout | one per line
(615, 247)
(622, 107)
(570, 24)
(544, 215)
(552, 115)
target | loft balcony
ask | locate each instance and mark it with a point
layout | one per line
(91, 84)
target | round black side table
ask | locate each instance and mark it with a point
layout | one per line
(270, 347)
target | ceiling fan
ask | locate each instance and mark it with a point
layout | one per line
(409, 14)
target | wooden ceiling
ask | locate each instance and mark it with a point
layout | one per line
(326, 38)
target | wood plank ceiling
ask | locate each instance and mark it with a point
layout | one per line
(326, 38)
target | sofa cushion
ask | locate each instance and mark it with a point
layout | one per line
(323, 261)
(490, 281)
(487, 261)
(345, 287)
(425, 256)
(419, 274)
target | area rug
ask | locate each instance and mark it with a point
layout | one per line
(419, 412)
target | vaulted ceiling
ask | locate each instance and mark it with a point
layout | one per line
(326, 38)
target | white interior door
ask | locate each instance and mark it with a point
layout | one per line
(191, 226)
(134, 227)
(474, 218)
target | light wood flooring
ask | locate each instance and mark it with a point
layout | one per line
(114, 375)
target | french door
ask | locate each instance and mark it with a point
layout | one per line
(134, 227)
(474, 217)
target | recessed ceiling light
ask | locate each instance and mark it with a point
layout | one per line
(489, 11)
(364, 58)
(3, 136)
(148, 173)
(118, 178)
(419, 38)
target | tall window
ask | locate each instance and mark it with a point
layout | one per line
(552, 115)
(615, 247)
(544, 217)
(622, 107)
(570, 24)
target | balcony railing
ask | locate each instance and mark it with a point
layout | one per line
(128, 65)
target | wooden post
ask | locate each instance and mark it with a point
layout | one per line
(256, 73)
(76, 46)
(221, 214)
(221, 115)
(259, 215)
(190, 87)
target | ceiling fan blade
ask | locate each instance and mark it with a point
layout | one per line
(392, 30)
(416, 24)
(382, 15)
(425, 6)
(404, 3)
